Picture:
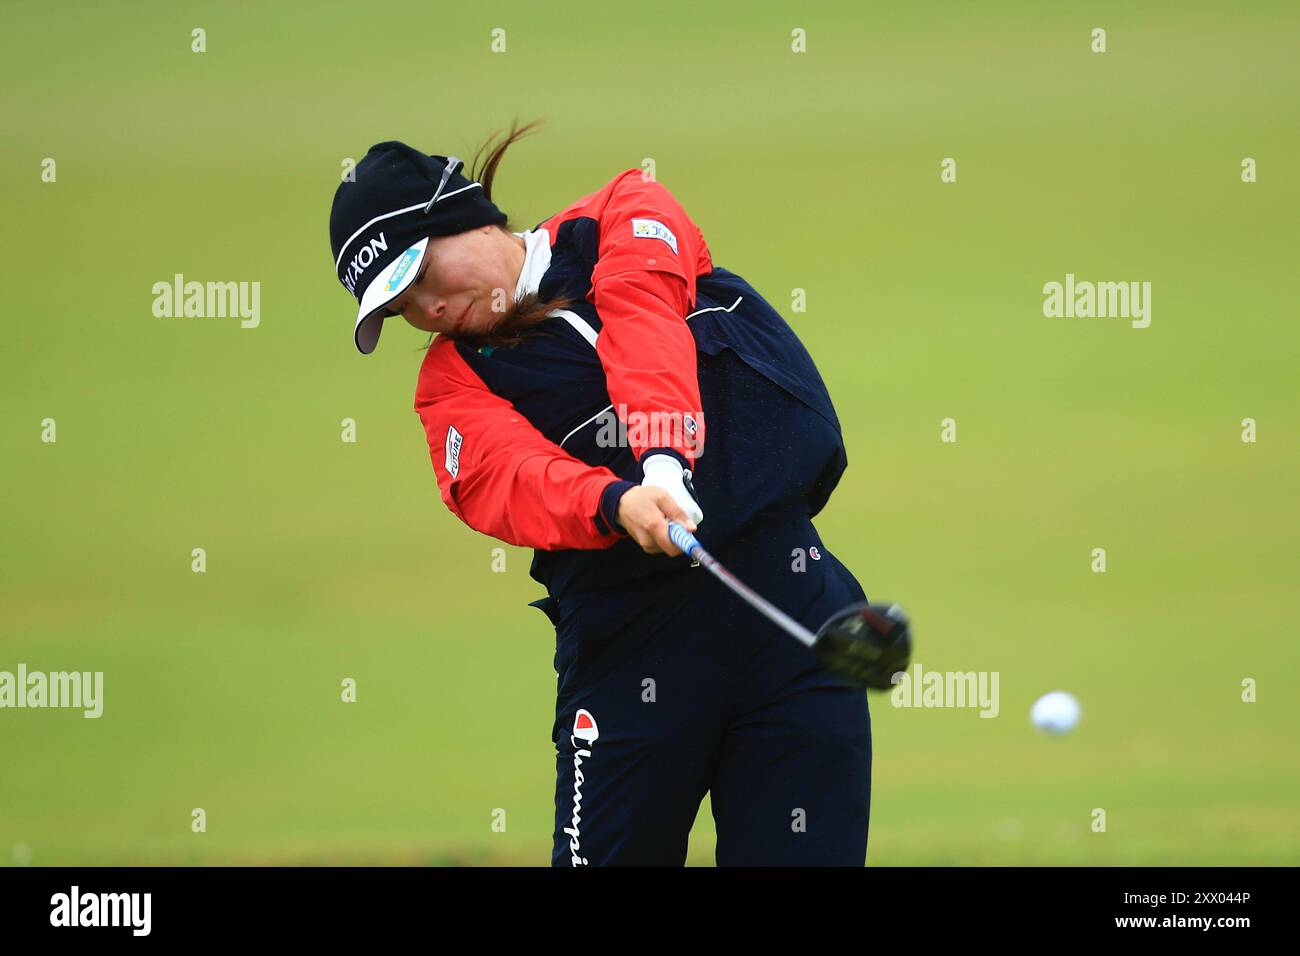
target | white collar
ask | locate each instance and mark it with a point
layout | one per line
(537, 259)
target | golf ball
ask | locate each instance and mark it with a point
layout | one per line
(1055, 713)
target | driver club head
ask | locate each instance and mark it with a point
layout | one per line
(866, 644)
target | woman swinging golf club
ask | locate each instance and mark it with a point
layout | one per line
(566, 396)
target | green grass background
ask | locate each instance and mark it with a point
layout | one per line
(817, 171)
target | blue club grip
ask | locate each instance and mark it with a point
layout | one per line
(682, 538)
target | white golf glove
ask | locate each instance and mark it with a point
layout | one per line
(666, 472)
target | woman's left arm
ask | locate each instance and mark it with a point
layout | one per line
(643, 287)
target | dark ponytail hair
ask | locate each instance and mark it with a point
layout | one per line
(530, 309)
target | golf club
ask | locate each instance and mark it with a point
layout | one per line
(865, 644)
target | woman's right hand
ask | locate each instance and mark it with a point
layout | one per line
(644, 512)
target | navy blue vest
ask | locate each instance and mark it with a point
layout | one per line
(773, 442)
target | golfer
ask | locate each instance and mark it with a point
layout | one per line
(588, 380)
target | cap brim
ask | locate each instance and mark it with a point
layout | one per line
(395, 278)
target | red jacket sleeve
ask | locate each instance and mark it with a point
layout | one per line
(500, 475)
(643, 287)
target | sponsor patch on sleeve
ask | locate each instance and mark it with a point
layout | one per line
(454, 441)
(653, 229)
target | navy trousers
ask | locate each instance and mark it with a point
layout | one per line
(672, 687)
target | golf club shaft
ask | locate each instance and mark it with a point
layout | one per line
(686, 541)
